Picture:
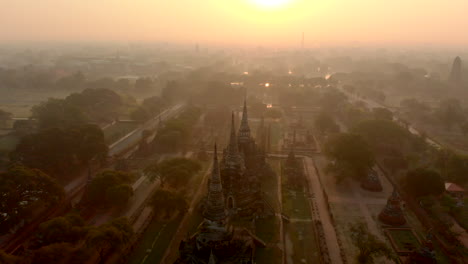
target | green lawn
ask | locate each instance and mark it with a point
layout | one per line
(404, 239)
(118, 130)
(154, 242)
(270, 186)
(268, 229)
(305, 247)
(269, 255)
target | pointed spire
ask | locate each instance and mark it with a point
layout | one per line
(215, 210)
(233, 148)
(212, 258)
(244, 130)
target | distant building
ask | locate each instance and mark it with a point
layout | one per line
(454, 190)
(456, 73)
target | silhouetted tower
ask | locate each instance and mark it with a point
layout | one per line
(456, 73)
(215, 210)
(244, 130)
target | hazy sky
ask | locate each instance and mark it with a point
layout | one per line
(436, 22)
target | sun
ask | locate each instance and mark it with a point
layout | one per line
(271, 4)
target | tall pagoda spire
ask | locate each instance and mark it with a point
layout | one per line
(244, 130)
(233, 158)
(233, 149)
(215, 210)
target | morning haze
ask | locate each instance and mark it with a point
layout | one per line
(240, 22)
(233, 132)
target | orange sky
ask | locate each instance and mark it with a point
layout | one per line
(338, 22)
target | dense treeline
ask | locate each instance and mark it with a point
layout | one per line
(175, 133)
(61, 151)
(23, 190)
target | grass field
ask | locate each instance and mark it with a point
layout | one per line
(268, 229)
(404, 239)
(118, 130)
(269, 255)
(305, 247)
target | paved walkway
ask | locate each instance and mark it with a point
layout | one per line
(323, 213)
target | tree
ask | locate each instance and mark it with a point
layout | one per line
(153, 104)
(143, 85)
(110, 185)
(58, 253)
(175, 172)
(166, 202)
(326, 124)
(332, 100)
(57, 113)
(350, 156)
(450, 113)
(140, 114)
(119, 195)
(369, 245)
(110, 236)
(21, 188)
(385, 136)
(453, 166)
(98, 104)
(58, 151)
(70, 229)
(433, 183)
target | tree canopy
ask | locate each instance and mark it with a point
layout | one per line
(61, 150)
(350, 155)
(175, 172)
(69, 228)
(326, 124)
(110, 236)
(422, 182)
(21, 188)
(110, 188)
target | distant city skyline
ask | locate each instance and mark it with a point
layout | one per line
(238, 22)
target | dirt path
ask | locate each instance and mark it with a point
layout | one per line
(323, 213)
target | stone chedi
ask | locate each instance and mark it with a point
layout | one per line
(242, 164)
(372, 182)
(216, 241)
(456, 73)
(234, 192)
(392, 213)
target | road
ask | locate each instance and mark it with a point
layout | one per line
(135, 136)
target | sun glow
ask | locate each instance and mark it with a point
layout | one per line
(271, 4)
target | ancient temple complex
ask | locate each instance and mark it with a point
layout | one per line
(392, 213)
(241, 167)
(234, 192)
